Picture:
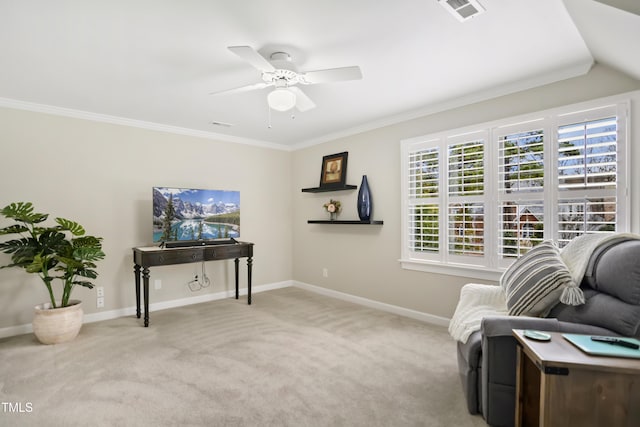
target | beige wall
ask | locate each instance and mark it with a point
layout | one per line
(101, 175)
(363, 260)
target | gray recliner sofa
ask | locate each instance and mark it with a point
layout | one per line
(487, 361)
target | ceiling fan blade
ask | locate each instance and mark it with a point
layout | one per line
(332, 75)
(250, 55)
(303, 102)
(241, 89)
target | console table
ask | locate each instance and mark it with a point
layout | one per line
(559, 385)
(145, 257)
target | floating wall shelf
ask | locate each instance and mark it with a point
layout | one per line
(319, 221)
(327, 189)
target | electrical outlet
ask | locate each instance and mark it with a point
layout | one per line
(100, 291)
(157, 284)
(325, 272)
(100, 302)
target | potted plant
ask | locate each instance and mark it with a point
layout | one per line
(58, 252)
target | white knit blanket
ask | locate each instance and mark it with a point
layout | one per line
(476, 302)
(577, 252)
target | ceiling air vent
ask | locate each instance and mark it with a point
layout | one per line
(462, 9)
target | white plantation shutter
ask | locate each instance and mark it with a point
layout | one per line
(521, 178)
(587, 154)
(521, 227)
(466, 197)
(521, 161)
(587, 215)
(588, 146)
(424, 225)
(424, 189)
(424, 168)
(466, 229)
(466, 168)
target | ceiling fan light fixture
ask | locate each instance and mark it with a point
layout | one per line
(281, 99)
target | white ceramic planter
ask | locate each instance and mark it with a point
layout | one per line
(57, 325)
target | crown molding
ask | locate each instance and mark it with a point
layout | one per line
(575, 70)
(122, 121)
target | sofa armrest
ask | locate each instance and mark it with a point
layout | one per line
(499, 360)
(501, 326)
(499, 364)
(469, 369)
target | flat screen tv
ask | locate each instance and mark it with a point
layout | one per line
(195, 214)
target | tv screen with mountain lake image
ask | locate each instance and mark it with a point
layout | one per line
(194, 214)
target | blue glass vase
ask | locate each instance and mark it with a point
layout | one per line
(365, 205)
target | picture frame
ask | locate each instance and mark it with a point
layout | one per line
(334, 170)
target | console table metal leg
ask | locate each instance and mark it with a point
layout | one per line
(145, 280)
(136, 272)
(249, 264)
(236, 262)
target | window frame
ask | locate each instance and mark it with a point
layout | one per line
(491, 266)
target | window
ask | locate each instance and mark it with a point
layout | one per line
(479, 198)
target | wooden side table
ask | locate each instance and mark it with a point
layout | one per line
(559, 385)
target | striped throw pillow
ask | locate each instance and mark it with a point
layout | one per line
(534, 283)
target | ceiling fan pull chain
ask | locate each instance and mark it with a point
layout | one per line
(269, 107)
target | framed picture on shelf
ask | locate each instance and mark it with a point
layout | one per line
(334, 170)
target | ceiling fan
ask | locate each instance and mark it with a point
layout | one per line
(282, 74)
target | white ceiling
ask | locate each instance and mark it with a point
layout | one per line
(154, 62)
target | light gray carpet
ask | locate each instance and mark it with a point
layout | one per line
(292, 358)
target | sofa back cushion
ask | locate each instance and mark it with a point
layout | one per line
(611, 289)
(604, 311)
(617, 272)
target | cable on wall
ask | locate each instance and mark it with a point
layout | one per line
(199, 282)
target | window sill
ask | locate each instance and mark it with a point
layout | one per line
(461, 270)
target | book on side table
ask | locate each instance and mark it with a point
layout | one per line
(596, 345)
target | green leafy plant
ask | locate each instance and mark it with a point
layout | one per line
(61, 251)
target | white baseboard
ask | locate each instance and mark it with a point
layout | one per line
(209, 297)
(130, 311)
(401, 311)
(16, 330)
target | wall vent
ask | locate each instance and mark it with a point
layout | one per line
(462, 9)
